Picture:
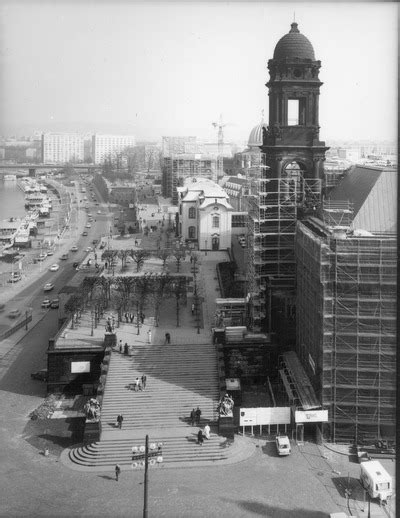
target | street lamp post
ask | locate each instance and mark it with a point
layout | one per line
(140, 453)
(206, 246)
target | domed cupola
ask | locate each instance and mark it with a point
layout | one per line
(294, 45)
(256, 135)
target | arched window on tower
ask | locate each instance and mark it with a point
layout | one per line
(192, 213)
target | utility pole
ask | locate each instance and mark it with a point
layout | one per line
(146, 480)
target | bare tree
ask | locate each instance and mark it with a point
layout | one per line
(178, 290)
(160, 290)
(179, 254)
(123, 255)
(163, 255)
(139, 256)
(72, 306)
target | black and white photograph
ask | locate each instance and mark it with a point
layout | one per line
(198, 258)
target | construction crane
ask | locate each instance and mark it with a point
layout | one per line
(220, 127)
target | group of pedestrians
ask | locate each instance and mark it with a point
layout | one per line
(140, 383)
(195, 416)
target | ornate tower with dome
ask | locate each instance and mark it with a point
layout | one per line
(291, 140)
(288, 184)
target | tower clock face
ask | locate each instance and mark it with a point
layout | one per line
(297, 72)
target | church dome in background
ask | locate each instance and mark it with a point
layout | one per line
(294, 45)
(256, 135)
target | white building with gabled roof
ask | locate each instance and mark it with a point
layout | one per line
(205, 214)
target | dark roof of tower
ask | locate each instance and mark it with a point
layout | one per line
(294, 45)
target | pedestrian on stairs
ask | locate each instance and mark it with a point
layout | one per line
(120, 418)
(136, 385)
(149, 336)
(207, 431)
(198, 415)
(117, 471)
(144, 379)
(193, 307)
(167, 338)
(200, 438)
(120, 346)
(193, 417)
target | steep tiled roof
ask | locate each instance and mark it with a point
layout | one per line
(373, 193)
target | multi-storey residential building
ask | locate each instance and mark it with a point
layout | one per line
(104, 146)
(60, 148)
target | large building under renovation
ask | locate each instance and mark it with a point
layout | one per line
(322, 258)
(289, 183)
(346, 307)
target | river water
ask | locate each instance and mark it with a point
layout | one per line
(12, 200)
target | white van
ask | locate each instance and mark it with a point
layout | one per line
(376, 480)
(283, 445)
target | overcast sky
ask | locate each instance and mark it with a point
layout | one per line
(171, 68)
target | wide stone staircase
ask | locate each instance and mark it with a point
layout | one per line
(179, 377)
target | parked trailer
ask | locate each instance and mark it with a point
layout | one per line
(376, 480)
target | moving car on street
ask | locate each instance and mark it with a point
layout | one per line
(55, 303)
(48, 286)
(46, 303)
(14, 313)
(54, 267)
(74, 248)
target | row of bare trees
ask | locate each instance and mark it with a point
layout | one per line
(126, 294)
(140, 255)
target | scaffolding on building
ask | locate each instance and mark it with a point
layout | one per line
(177, 168)
(273, 207)
(346, 324)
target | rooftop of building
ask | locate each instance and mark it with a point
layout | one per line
(294, 45)
(372, 191)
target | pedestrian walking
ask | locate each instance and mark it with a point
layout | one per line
(167, 338)
(206, 432)
(105, 265)
(126, 317)
(126, 349)
(200, 438)
(192, 308)
(144, 380)
(120, 418)
(149, 336)
(193, 417)
(120, 346)
(198, 415)
(136, 385)
(117, 471)
(131, 317)
(142, 318)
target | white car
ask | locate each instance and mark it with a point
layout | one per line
(50, 252)
(283, 445)
(46, 303)
(48, 286)
(74, 248)
(88, 225)
(89, 249)
(54, 267)
(99, 212)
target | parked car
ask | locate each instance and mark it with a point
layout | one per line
(14, 313)
(74, 248)
(88, 225)
(54, 267)
(99, 212)
(84, 233)
(75, 265)
(42, 257)
(89, 249)
(40, 375)
(50, 252)
(46, 303)
(55, 303)
(283, 445)
(64, 257)
(48, 286)
(15, 277)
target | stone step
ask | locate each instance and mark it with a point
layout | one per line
(184, 449)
